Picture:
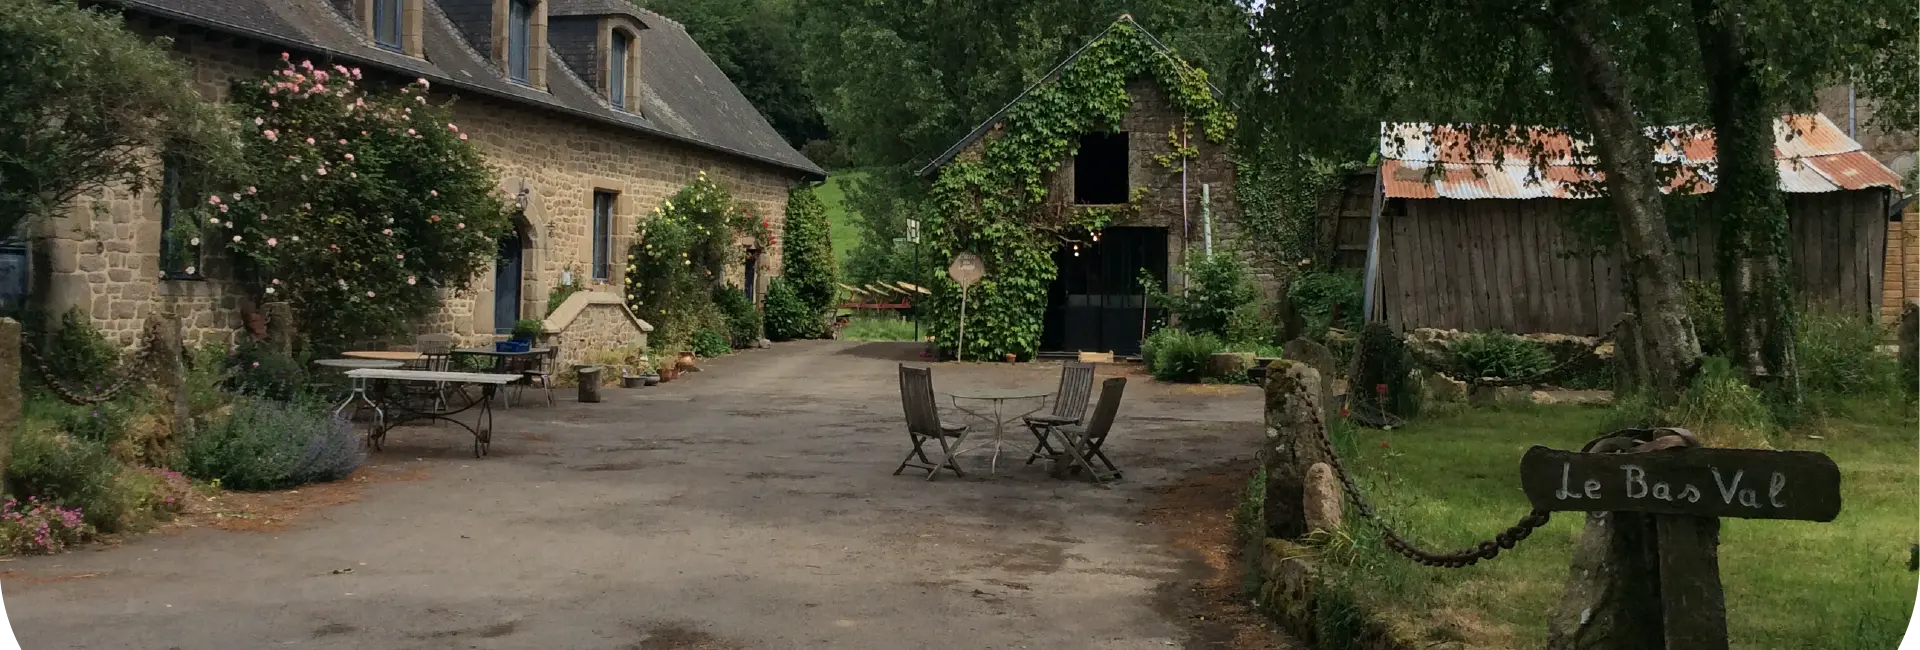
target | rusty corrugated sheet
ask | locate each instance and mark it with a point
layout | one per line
(1814, 157)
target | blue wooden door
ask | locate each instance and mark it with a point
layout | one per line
(506, 285)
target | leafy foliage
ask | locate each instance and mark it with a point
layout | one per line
(988, 205)
(1500, 355)
(40, 528)
(756, 45)
(1840, 359)
(87, 102)
(808, 254)
(680, 254)
(268, 445)
(1171, 354)
(708, 343)
(743, 320)
(354, 206)
(259, 370)
(1219, 296)
(787, 317)
(79, 354)
(1326, 299)
(52, 466)
(1708, 311)
(569, 285)
(527, 329)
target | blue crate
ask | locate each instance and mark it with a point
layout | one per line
(512, 346)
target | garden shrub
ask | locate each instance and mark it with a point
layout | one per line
(1249, 516)
(355, 207)
(679, 255)
(1385, 365)
(1840, 357)
(708, 343)
(1721, 409)
(79, 355)
(1499, 355)
(266, 445)
(40, 528)
(1220, 296)
(102, 423)
(1172, 354)
(787, 317)
(743, 320)
(1326, 299)
(808, 256)
(57, 468)
(565, 289)
(258, 369)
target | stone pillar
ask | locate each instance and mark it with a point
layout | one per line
(1294, 424)
(10, 397)
(280, 330)
(170, 370)
(1322, 360)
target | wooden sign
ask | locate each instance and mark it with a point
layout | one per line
(966, 269)
(1700, 482)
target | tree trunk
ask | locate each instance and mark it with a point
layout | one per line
(1633, 188)
(1754, 255)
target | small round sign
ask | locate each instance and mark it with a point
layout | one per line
(966, 269)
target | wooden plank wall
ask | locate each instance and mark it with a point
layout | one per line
(1502, 265)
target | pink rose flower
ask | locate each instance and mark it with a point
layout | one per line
(285, 56)
(369, 294)
(463, 136)
(258, 121)
(388, 232)
(272, 241)
(310, 141)
(214, 200)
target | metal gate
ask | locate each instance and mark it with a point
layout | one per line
(1095, 303)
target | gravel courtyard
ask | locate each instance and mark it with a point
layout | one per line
(750, 505)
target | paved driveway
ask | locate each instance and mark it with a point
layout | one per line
(747, 506)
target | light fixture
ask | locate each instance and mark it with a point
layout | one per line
(520, 200)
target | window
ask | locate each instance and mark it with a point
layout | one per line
(386, 23)
(617, 70)
(519, 39)
(179, 245)
(603, 235)
(1100, 169)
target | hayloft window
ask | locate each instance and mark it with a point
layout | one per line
(1100, 169)
(617, 69)
(386, 23)
(519, 40)
(603, 235)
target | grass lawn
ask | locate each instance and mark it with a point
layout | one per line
(1449, 480)
(878, 328)
(845, 233)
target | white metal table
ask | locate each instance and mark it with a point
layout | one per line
(997, 397)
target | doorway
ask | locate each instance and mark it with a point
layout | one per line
(506, 282)
(1095, 304)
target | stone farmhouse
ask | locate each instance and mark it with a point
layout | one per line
(593, 111)
(1095, 303)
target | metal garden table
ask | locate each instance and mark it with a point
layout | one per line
(998, 397)
(482, 428)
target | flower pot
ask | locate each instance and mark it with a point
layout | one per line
(651, 379)
(687, 360)
(669, 373)
(632, 381)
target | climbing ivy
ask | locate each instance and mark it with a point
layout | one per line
(992, 204)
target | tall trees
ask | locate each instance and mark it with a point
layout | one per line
(84, 104)
(755, 43)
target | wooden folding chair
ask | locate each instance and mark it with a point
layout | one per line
(1069, 407)
(1083, 444)
(923, 424)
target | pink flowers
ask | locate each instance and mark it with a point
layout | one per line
(423, 82)
(236, 239)
(223, 208)
(388, 232)
(451, 127)
(276, 104)
(343, 141)
(349, 157)
(269, 291)
(410, 279)
(462, 226)
(271, 241)
(400, 256)
(259, 121)
(422, 99)
(272, 136)
(214, 200)
(433, 218)
(310, 141)
(410, 132)
(323, 171)
(433, 192)
(285, 56)
(463, 136)
(369, 294)
(306, 65)
(252, 190)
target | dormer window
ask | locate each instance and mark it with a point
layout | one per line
(387, 17)
(617, 69)
(520, 40)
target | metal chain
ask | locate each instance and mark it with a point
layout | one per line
(132, 369)
(1468, 556)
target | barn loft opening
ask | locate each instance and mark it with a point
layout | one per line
(1100, 169)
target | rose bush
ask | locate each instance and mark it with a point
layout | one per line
(354, 206)
(680, 254)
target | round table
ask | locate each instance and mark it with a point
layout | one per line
(354, 364)
(998, 397)
(383, 355)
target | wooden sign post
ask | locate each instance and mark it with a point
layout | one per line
(965, 270)
(1662, 475)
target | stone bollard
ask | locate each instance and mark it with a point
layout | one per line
(589, 377)
(1295, 423)
(10, 397)
(1321, 507)
(1321, 359)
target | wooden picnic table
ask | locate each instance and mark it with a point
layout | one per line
(482, 428)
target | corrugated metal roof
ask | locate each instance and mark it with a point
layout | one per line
(1425, 161)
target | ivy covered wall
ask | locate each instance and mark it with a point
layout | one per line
(1009, 197)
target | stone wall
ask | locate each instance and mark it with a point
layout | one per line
(592, 321)
(103, 256)
(1148, 125)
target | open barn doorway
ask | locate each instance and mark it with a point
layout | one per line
(1095, 304)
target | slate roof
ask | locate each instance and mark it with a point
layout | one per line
(684, 96)
(982, 130)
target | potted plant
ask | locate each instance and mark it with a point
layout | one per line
(688, 360)
(636, 373)
(527, 331)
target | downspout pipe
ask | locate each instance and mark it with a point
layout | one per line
(1373, 248)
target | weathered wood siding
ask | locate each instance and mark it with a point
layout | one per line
(1507, 265)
